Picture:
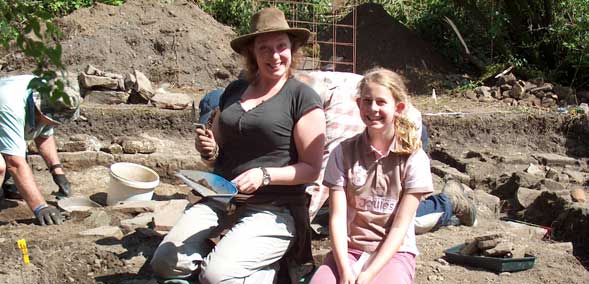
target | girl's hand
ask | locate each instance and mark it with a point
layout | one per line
(347, 277)
(205, 143)
(364, 277)
(249, 181)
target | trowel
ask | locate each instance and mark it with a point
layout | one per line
(208, 185)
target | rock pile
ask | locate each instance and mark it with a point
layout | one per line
(495, 245)
(85, 143)
(512, 91)
(99, 87)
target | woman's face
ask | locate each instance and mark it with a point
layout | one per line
(273, 55)
(377, 107)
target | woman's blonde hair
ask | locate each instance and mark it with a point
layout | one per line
(251, 66)
(407, 139)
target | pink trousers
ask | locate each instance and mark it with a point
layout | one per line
(399, 270)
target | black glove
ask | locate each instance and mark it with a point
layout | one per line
(62, 183)
(49, 216)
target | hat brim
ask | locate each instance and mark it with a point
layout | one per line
(37, 101)
(300, 34)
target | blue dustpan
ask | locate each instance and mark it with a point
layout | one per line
(219, 188)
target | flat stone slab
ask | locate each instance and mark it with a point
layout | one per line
(167, 215)
(442, 170)
(550, 159)
(104, 231)
(136, 207)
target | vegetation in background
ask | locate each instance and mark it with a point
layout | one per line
(27, 26)
(541, 38)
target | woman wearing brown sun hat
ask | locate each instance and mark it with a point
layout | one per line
(267, 138)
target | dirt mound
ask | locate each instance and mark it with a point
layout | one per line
(176, 43)
(383, 41)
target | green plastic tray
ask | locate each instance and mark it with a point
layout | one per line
(495, 264)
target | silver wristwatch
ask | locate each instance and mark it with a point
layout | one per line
(266, 177)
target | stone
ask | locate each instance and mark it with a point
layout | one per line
(528, 86)
(548, 102)
(509, 79)
(143, 86)
(106, 97)
(138, 206)
(79, 146)
(550, 159)
(167, 215)
(168, 100)
(496, 93)
(141, 220)
(443, 170)
(470, 248)
(578, 195)
(93, 81)
(503, 248)
(470, 94)
(97, 219)
(551, 173)
(518, 91)
(138, 146)
(104, 231)
(506, 186)
(552, 185)
(525, 196)
(114, 149)
(546, 87)
(562, 178)
(486, 99)
(488, 205)
(575, 176)
(487, 244)
(524, 230)
(535, 170)
(483, 91)
(91, 70)
(130, 81)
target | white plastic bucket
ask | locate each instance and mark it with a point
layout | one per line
(130, 182)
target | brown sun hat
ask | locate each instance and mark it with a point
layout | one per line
(269, 20)
(64, 108)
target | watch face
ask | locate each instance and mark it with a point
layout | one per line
(265, 181)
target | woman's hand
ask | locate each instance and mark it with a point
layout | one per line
(205, 143)
(249, 181)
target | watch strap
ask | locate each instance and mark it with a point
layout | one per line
(266, 176)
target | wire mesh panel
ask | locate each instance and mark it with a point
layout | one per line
(332, 46)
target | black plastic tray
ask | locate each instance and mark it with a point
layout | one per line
(495, 264)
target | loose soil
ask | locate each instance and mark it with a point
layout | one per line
(491, 138)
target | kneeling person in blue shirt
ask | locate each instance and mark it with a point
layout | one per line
(28, 115)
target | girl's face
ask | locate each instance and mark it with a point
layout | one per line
(378, 107)
(273, 55)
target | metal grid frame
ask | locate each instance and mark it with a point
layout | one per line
(328, 22)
